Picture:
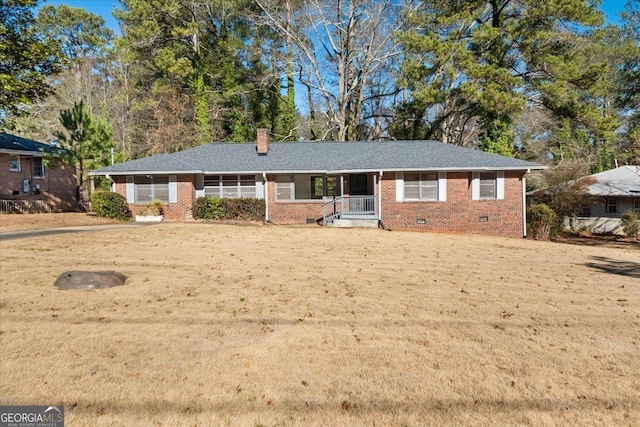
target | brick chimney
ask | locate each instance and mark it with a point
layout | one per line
(263, 141)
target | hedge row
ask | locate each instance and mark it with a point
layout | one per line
(243, 209)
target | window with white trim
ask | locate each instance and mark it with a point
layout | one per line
(421, 186)
(150, 188)
(612, 205)
(14, 163)
(306, 187)
(488, 185)
(584, 212)
(636, 205)
(38, 167)
(323, 186)
(230, 186)
(284, 188)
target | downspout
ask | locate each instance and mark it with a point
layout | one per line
(524, 205)
(266, 196)
(380, 197)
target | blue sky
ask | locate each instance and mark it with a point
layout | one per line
(104, 8)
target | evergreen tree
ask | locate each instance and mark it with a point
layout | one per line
(86, 143)
(26, 59)
(473, 67)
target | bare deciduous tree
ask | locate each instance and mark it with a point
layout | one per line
(345, 55)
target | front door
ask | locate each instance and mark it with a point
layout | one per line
(358, 184)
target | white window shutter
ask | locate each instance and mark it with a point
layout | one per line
(475, 186)
(399, 186)
(442, 186)
(259, 187)
(173, 189)
(500, 185)
(130, 190)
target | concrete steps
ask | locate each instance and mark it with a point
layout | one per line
(354, 222)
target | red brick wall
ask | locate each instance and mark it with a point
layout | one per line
(291, 212)
(459, 213)
(57, 187)
(172, 211)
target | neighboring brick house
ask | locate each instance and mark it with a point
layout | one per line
(24, 175)
(425, 185)
(613, 192)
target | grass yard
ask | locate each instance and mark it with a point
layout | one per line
(222, 325)
(21, 222)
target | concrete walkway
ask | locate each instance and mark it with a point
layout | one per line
(23, 234)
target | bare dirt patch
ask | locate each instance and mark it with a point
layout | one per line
(228, 325)
(18, 222)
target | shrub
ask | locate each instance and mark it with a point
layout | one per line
(540, 220)
(110, 205)
(208, 208)
(153, 208)
(631, 223)
(243, 209)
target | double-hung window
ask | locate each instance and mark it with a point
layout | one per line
(230, 186)
(636, 205)
(149, 188)
(322, 186)
(284, 188)
(487, 185)
(38, 167)
(612, 205)
(421, 186)
(14, 163)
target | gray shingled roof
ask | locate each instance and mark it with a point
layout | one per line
(621, 182)
(13, 143)
(327, 157)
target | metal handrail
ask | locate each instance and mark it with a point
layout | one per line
(348, 205)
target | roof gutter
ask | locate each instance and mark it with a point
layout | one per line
(440, 169)
(319, 171)
(160, 172)
(23, 152)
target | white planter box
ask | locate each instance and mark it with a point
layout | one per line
(149, 218)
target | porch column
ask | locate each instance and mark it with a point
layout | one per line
(380, 197)
(375, 193)
(341, 193)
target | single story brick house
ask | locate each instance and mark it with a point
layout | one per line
(425, 185)
(25, 178)
(613, 192)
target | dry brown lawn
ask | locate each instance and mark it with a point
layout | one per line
(223, 325)
(18, 222)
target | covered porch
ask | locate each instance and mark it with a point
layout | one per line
(358, 203)
(324, 197)
(351, 210)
